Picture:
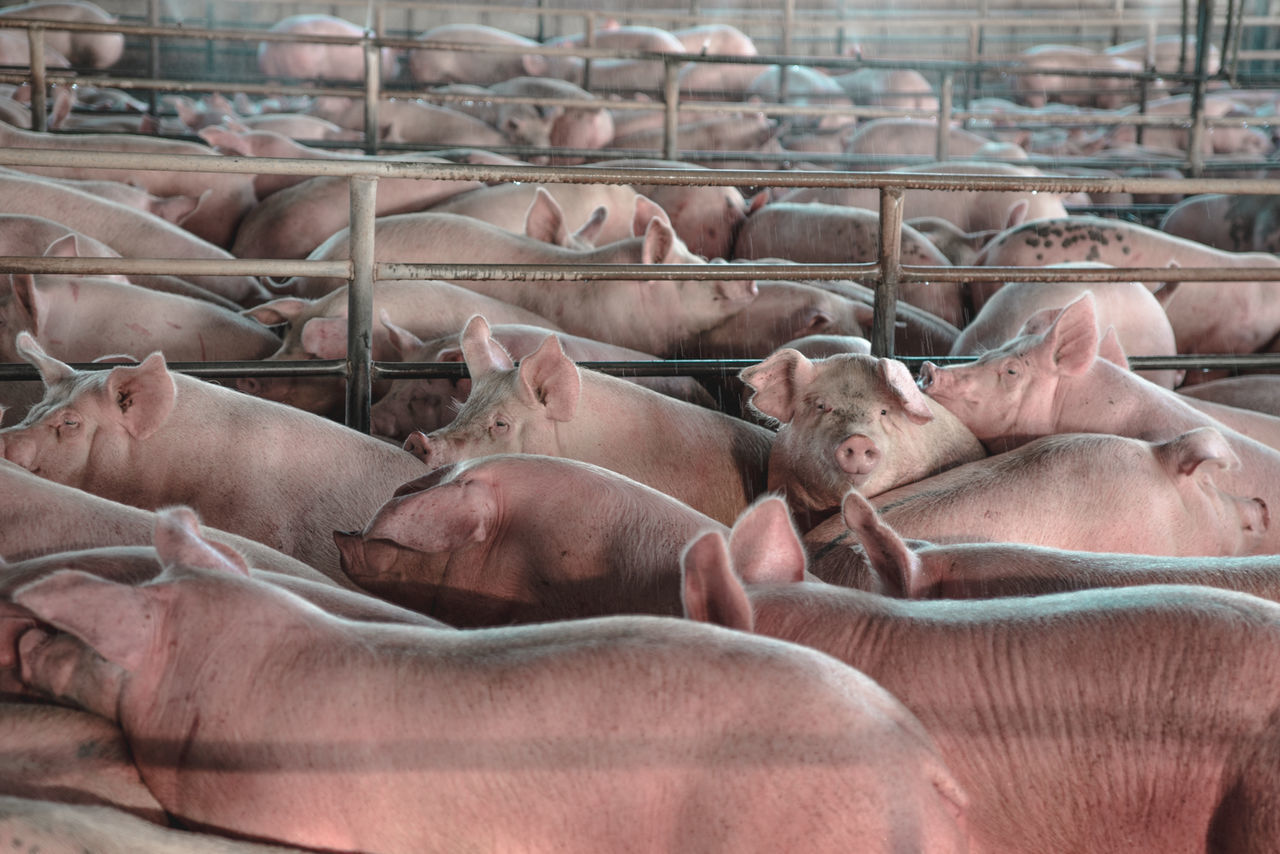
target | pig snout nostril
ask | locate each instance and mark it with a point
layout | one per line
(927, 375)
(248, 385)
(417, 445)
(857, 455)
(1264, 514)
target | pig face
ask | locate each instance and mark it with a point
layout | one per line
(508, 410)
(850, 422)
(87, 417)
(1010, 389)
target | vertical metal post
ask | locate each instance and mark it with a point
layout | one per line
(39, 86)
(886, 299)
(153, 18)
(788, 33)
(1195, 154)
(671, 104)
(360, 303)
(944, 115)
(372, 92)
(589, 29)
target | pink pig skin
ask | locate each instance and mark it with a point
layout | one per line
(431, 65)
(490, 739)
(1233, 223)
(130, 232)
(94, 49)
(813, 233)
(1091, 479)
(428, 404)
(319, 61)
(606, 310)
(1138, 316)
(502, 539)
(1136, 719)
(883, 562)
(1256, 392)
(1055, 381)
(127, 434)
(509, 206)
(1207, 317)
(890, 138)
(713, 462)
(851, 422)
(269, 143)
(317, 329)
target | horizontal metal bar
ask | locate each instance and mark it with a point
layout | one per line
(180, 266)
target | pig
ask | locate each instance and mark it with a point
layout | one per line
(294, 220)
(1138, 317)
(713, 462)
(318, 61)
(706, 218)
(718, 81)
(170, 208)
(1051, 379)
(1168, 54)
(529, 124)
(813, 233)
(501, 539)
(885, 563)
(226, 196)
(414, 121)
(440, 65)
(606, 310)
(547, 211)
(268, 143)
(916, 332)
(889, 87)
(632, 691)
(1234, 223)
(1060, 715)
(1207, 317)
(803, 86)
(125, 434)
(850, 421)
(69, 756)
(957, 246)
(131, 233)
(48, 826)
(1037, 83)
(1223, 139)
(82, 47)
(887, 139)
(1259, 392)
(429, 404)
(42, 517)
(317, 329)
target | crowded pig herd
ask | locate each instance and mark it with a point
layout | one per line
(1018, 603)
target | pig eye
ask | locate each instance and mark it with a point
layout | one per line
(500, 426)
(1013, 372)
(821, 406)
(68, 423)
(884, 412)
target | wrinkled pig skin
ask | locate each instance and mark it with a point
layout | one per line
(1022, 495)
(1060, 715)
(126, 434)
(1137, 315)
(1206, 317)
(851, 421)
(428, 404)
(501, 540)
(317, 329)
(814, 233)
(319, 61)
(606, 310)
(714, 462)
(633, 694)
(879, 560)
(1055, 380)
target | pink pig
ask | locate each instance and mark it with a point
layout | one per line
(495, 739)
(712, 461)
(1061, 715)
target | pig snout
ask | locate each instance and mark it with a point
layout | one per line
(249, 385)
(857, 455)
(1255, 515)
(928, 375)
(426, 448)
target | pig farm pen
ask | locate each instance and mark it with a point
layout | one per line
(176, 50)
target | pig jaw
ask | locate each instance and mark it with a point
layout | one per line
(811, 481)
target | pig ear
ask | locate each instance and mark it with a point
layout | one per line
(66, 246)
(589, 232)
(481, 351)
(1165, 292)
(535, 65)
(178, 542)
(277, 311)
(757, 201)
(764, 546)
(325, 337)
(404, 342)
(143, 394)
(903, 386)
(1017, 213)
(1073, 337)
(777, 382)
(897, 568)
(711, 592)
(30, 300)
(1109, 348)
(225, 140)
(1182, 455)
(645, 212)
(550, 378)
(659, 243)
(51, 370)
(544, 220)
(115, 620)
(441, 518)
